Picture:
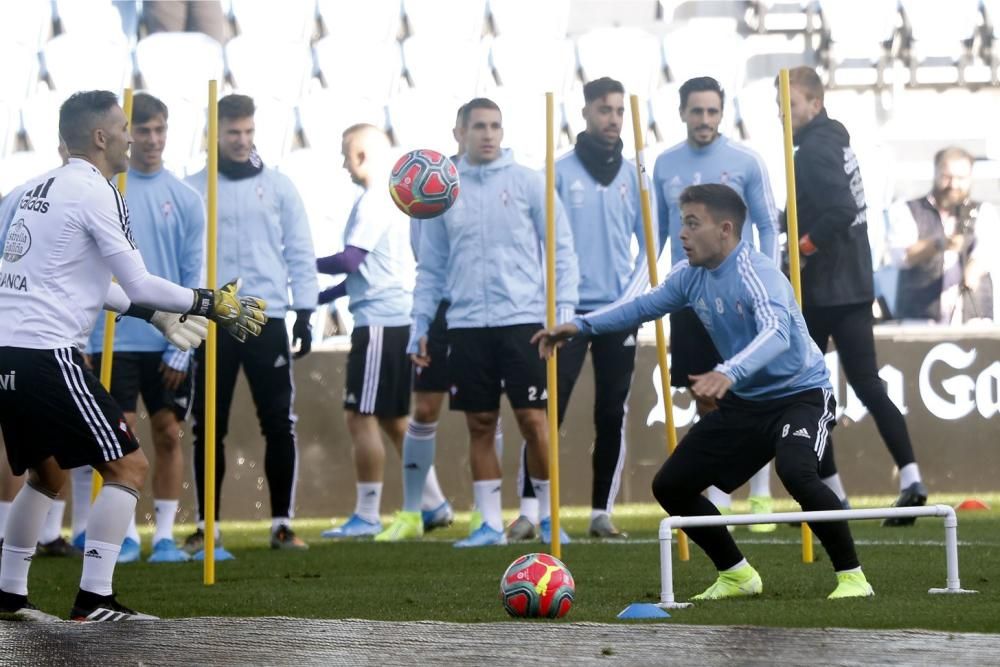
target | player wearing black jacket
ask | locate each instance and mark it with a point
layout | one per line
(837, 278)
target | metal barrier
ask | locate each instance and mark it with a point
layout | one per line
(667, 525)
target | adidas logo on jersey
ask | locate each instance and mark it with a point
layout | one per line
(802, 433)
(35, 200)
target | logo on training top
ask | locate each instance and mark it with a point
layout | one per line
(576, 194)
(18, 242)
(35, 199)
(703, 312)
(674, 188)
(167, 209)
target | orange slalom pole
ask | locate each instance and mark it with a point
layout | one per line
(550, 321)
(108, 346)
(211, 249)
(683, 553)
(792, 216)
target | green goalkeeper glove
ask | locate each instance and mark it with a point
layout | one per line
(238, 315)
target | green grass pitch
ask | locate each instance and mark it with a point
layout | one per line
(432, 580)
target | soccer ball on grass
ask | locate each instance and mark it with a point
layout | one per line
(537, 586)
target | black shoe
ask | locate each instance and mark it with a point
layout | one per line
(58, 547)
(93, 608)
(915, 495)
(17, 607)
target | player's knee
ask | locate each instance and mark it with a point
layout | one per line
(796, 473)
(130, 470)
(426, 407)
(666, 489)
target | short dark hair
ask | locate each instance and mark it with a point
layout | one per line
(952, 153)
(701, 84)
(236, 106)
(145, 107)
(722, 202)
(79, 115)
(477, 103)
(807, 80)
(599, 88)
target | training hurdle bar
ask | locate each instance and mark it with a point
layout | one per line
(667, 526)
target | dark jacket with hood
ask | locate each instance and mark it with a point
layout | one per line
(833, 212)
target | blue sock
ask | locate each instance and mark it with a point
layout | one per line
(418, 457)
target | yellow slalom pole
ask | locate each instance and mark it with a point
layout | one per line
(661, 342)
(108, 346)
(213, 331)
(792, 216)
(550, 320)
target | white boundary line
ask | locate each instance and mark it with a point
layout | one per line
(667, 525)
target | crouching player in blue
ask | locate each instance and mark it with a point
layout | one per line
(773, 389)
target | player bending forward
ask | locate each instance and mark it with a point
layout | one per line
(71, 234)
(773, 389)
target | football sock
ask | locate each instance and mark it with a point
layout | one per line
(529, 509)
(279, 521)
(82, 478)
(432, 497)
(201, 527)
(53, 522)
(760, 483)
(4, 510)
(909, 474)
(834, 484)
(112, 511)
(596, 513)
(418, 459)
(487, 495)
(24, 524)
(165, 512)
(498, 440)
(541, 487)
(719, 498)
(742, 563)
(369, 501)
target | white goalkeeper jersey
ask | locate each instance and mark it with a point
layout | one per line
(53, 279)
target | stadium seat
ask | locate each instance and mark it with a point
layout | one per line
(524, 125)
(465, 19)
(858, 52)
(783, 16)
(9, 126)
(17, 168)
(424, 119)
(162, 55)
(450, 67)
(275, 129)
(324, 117)
(939, 40)
(263, 67)
(186, 122)
(94, 19)
(631, 55)
(288, 20)
(530, 19)
(19, 73)
(26, 23)
(75, 61)
(372, 71)
(371, 21)
(541, 65)
(686, 55)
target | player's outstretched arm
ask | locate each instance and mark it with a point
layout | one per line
(549, 340)
(183, 332)
(238, 315)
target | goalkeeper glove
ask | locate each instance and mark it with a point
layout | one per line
(182, 331)
(302, 333)
(238, 315)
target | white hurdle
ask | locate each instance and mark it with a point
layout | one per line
(667, 526)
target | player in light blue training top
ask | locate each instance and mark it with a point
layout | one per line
(772, 386)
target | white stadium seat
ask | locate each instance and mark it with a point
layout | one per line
(264, 67)
(860, 47)
(198, 57)
(372, 70)
(324, 117)
(630, 55)
(448, 67)
(361, 22)
(76, 62)
(26, 23)
(424, 119)
(940, 40)
(530, 19)
(17, 168)
(465, 18)
(40, 120)
(19, 73)
(94, 19)
(540, 65)
(288, 20)
(686, 55)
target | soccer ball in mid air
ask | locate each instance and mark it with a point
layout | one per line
(537, 586)
(424, 183)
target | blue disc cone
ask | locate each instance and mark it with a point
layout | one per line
(642, 610)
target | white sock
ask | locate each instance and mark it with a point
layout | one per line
(165, 511)
(595, 513)
(760, 483)
(53, 522)
(112, 511)
(529, 508)
(432, 497)
(834, 484)
(369, 501)
(719, 498)
(541, 487)
(488, 500)
(132, 532)
(853, 569)
(498, 441)
(4, 511)
(742, 563)
(82, 479)
(909, 474)
(24, 524)
(278, 521)
(201, 527)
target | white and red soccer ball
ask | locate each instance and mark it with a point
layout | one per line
(537, 586)
(424, 183)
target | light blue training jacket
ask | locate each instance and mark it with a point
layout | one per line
(264, 238)
(749, 310)
(603, 220)
(168, 224)
(486, 252)
(722, 161)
